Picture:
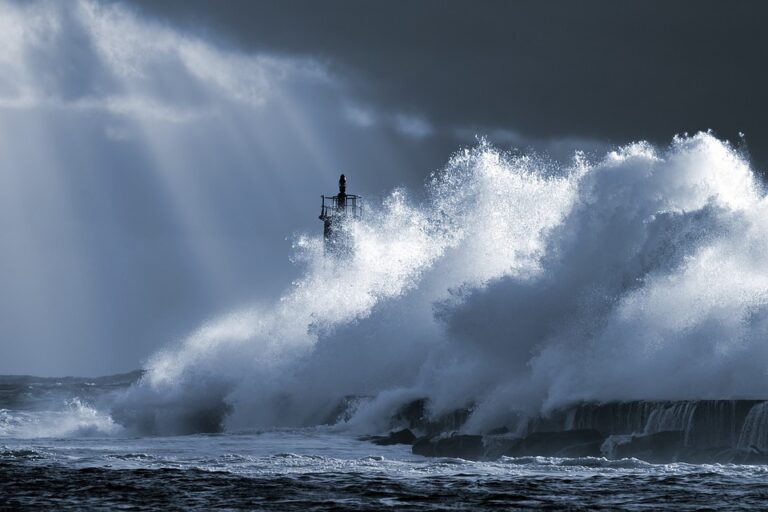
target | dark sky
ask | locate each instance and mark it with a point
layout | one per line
(613, 71)
(158, 158)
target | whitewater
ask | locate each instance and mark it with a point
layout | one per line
(513, 286)
(518, 285)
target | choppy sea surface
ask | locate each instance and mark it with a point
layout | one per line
(316, 469)
(60, 451)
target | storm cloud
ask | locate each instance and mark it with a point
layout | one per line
(532, 71)
(150, 178)
(158, 158)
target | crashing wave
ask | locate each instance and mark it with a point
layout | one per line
(518, 285)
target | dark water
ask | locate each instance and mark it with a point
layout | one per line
(60, 450)
(58, 487)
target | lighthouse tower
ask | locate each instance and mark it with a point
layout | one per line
(335, 211)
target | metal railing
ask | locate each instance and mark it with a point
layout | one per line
(331, 206)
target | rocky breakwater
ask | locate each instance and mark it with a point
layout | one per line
(696, 431)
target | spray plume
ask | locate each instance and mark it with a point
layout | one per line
(517, 286)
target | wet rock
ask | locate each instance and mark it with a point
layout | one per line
(752, 455)
(697, 431)
(497, 445)
(591, 449)
(462, 446)
(708, 423)
(569, 443)
(656, 448)
(404, 436)
(415, 415)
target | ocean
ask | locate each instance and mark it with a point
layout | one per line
(619, 303)
(58, 451)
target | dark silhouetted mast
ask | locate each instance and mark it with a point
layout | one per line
(335, 210)
(341, 198)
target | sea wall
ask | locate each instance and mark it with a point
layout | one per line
(725, 431)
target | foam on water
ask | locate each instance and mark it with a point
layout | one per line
(75, 419)
(518, 285)
(315, 467)
(321, 451)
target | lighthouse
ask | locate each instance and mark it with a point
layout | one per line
(335, 211)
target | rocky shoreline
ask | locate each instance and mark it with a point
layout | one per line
(700, 431)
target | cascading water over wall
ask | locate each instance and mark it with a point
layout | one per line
(518, 286)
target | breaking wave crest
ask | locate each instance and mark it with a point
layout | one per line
(75, 419)
(518, 285)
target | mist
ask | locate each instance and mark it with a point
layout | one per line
(151, 178)
(166, 183)
(517, 286)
